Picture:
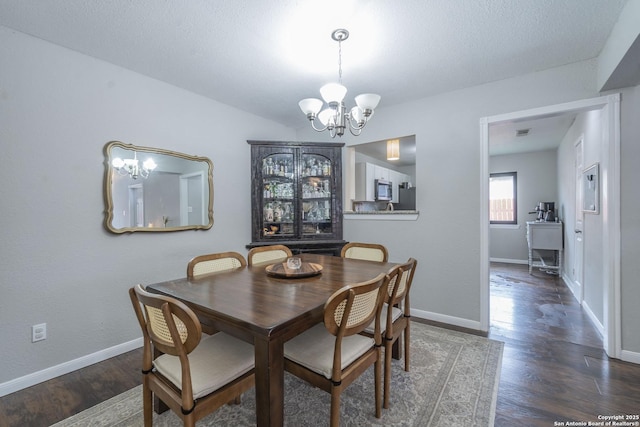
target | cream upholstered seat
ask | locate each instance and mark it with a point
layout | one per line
(332, 355)
(204, 264)
(366, 251)
(194, 375)
(395, 318)
(268, 254)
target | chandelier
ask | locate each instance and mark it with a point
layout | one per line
(335, 117)
(132, 166)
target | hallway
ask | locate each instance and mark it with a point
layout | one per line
(554, 368)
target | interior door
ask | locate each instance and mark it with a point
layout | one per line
(136, 205)
(193, 208)
(578, 232)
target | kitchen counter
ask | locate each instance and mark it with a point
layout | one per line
(396, 215)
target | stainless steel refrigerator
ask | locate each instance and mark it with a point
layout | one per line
(406, 199)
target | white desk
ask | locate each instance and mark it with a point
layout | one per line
(545, 236)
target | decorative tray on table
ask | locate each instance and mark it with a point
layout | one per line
(281, 270)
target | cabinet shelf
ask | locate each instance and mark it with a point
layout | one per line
(288, 177)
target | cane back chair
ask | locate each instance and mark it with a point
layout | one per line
(193, 376)
(395, 319)
(268, 254)
(366, 251)
(332, 355)
(209, 263)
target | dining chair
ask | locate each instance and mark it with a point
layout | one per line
(366, 251)
(268, 254)
(395, 319)
(194, 375)
(209, 263)
(332, 355)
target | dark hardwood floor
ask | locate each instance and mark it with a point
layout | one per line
(54, 400)
(553, 370)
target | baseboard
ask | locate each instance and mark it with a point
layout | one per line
(630, 356)
(66, 367)
(599, 326)
(510, 261)
(572, 287)
(449, 320)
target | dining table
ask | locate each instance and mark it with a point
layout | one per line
(266, 310)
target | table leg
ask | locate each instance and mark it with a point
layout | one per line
(269, 361)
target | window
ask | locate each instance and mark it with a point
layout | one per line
(503, 200)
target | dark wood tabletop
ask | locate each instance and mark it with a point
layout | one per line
(267, 311)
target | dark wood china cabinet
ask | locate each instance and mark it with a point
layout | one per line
(296, 195)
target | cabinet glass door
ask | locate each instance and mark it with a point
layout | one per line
(278, 194)
(316, 195)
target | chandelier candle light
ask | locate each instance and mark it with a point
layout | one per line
(132, 166)
(335, 117)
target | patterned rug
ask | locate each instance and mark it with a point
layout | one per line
(453, 382)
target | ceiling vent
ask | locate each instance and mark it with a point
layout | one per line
(522, 132)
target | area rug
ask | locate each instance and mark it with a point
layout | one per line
(453, 381)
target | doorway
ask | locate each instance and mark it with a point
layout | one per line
(610, 161)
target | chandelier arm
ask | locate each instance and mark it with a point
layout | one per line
(316, 129)
(355, 131)
(353, 124)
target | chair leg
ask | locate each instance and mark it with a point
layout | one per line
(189, 420)
(387, 371)
(407, 339)
(335, 407)
(147, 404)
(377, 375)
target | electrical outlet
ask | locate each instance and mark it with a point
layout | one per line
(39, 332)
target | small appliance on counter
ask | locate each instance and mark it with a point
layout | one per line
(545, 211)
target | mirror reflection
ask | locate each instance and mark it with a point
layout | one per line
(150, 189)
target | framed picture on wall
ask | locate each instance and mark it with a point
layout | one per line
(591, 189)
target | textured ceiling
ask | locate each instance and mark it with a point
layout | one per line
(542, 134)
(264, 56)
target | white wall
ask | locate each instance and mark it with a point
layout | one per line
(630, 218)
(537, 182)
(58, 264)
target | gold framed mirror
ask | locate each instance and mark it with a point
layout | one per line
(151, 189)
